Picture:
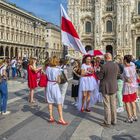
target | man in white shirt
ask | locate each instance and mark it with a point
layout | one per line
(13, 65)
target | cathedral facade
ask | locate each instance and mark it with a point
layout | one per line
(108, 25)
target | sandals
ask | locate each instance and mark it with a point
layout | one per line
(129, 120)
(135, 118)
(51, 120)
(62, 122)
(82, 109)
(132, 119)
(88, 110)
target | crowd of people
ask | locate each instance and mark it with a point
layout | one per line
(10, 68)
(16, 67)
(114, 82)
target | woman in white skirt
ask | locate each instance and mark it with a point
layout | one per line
(88, 88)
(53, 91)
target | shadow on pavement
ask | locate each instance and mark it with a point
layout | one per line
(124, 137)
(73, 110)
(36, 111)
(94, 137)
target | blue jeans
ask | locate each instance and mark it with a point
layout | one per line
(13, 72)
(4, 95)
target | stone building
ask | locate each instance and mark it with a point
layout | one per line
(21, 33)
(53, 40)
(109, 25)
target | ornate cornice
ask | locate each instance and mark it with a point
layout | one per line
(109, 16)
(87, 17)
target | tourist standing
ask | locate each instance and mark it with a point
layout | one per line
(53, 93)
(120, 85)
(130, 89)
(76, 77)
(46, 65)
(32, 77)
(8, 68)
(108, 87)
(19, 64)
(3, 88)
(88, 86)
(13, 65)
(25, 67)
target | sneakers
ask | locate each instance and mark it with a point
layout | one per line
(75, 104)
(120, 109)
(6, 113)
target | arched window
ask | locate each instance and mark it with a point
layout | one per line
(109, 49)
(110, 6)
(88, 48)
(139, 8)
(88, 27)
(1, 51)
(109, 26)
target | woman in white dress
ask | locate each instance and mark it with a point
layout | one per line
(53, 91)
(88, 88)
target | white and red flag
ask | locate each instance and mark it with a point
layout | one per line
(70, 37)
(95, 52)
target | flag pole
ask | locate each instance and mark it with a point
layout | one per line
(61, 32)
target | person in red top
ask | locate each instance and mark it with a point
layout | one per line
(32, 77)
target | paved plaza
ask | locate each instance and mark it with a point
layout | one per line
(28, 122)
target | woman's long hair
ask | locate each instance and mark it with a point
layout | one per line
(85, 57)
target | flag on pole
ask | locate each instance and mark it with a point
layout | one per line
(70, 37)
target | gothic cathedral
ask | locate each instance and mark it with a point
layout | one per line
(108, 25)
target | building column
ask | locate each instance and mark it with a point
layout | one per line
(38, 50)
(14, 51)
(19, 52)
(4, 50)
(33, 52)
(9, 49)
(30, 52)
(27, 50)
(135, 46)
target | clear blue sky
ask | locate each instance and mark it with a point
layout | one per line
(46, 9)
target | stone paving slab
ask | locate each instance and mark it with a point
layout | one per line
(90, 129)
(31, 124)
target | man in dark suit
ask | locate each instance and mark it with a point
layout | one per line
(108, 87)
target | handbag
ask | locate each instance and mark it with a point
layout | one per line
(63, 78)
(43, 80)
